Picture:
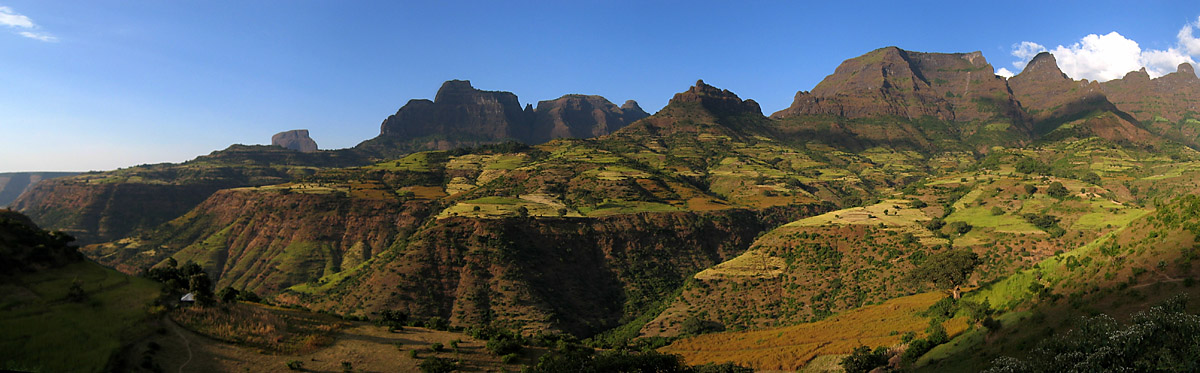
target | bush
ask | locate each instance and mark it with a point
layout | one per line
(438, 365)
(509, 359)
(503, 346)
(863, 359)
(295, 365)
(437, 347)
(721, 368)
(227, 295)
(1057, 190)
(961, 227)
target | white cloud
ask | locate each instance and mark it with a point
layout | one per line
(1111, 56)
(39, 36)
(1187, 41)
(1004, 72)
(12, 19)
(1099, 57)
(1025, 51)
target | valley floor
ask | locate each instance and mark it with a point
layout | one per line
(367, 347)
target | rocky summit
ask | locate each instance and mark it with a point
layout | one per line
(297, 140)
(461, 115)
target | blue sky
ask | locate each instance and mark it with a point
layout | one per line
(98, 85)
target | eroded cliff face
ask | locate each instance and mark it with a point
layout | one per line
(1172, 96)
(13, 184)
(581, 117)
(461, 116)
(267, 240)
(297, 140)
(576, 275)
(1168, 105)
(1060, 106)
(97, 212)
(894, 97)
(103, 206)
(895, 82)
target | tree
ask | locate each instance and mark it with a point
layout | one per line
(1030, 189)
(1057, 190)
(946, 270)
(75, 293)
(863, 359)
(227, 295)
(961, 227)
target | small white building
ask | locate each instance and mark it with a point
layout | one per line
(189, 297)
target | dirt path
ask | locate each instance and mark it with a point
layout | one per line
(186, 343)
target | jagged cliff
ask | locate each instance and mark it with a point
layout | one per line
(902, 98)
(1168, 105)
(297, 140)
(104, 206)
(581, 117)
(461, 115)
(13, 184)
(1060, 106)
(266, 241)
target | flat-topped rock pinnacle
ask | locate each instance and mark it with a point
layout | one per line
(297, 140)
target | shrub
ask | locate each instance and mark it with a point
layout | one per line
(295, 365)
(1057, 190)
(863, 359)
(438, 365)
(503, 346)
(509, 359)
(437, 347)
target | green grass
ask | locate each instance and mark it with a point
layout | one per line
(1101, 220)
(506, 162)
(627, 207)
(494, 201)
(981, 217)
(43, 332)
(416, 162)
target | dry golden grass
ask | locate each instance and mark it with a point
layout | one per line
(426, 192)
(268, 328)
(790, 348)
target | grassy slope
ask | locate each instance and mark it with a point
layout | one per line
(43, 332)
(792, 347)
(1118, 274)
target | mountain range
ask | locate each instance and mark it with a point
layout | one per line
(607, 224)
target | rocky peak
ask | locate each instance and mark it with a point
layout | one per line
(1169, 96)
(581, 116)
(1140, 75)
(1043, 66)
(297, 140)
(894, 82)
(1186, 68)
(454, 89)
(719, 102)
(631, 106)
(460, 110)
